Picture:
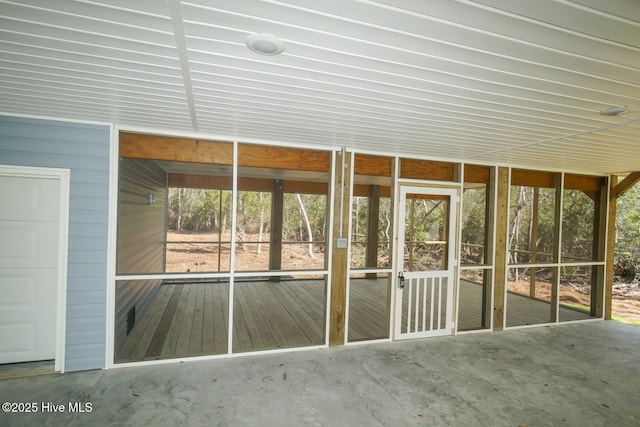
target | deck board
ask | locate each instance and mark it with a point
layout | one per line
(192, 319)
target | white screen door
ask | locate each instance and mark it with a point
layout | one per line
(30, 236)
(425, 283)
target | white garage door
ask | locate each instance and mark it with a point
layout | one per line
(29, 236)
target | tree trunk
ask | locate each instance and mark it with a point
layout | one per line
(306, 220)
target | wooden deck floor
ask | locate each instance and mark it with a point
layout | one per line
(192, 319)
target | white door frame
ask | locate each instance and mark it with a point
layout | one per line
(63, 177)
(452, 262)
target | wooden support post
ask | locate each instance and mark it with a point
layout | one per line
(373, 223)
(277, 214)
(488, 256)
(339, 267)
(599, 248)
(501, 249)
(557, 226)
(611, 244)
(534, 241)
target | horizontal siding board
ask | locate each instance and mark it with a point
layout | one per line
(88, 337)
(84, 189)
(52, 130)
(89, 257)
(87, 230)
(84, 150)
(88, 217)
(84, 310)
(86, 296)
(51, 146)
(86, 351)
(93, 270)
(87, 176)
(85, 243)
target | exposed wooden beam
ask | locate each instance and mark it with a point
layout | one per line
(154, 147)
(363, 190)
(283, 158)
(477, 174)
(430, 170)
(245, 184)
(620, 188)
(583, 182)
(372, 165)
(531, 178)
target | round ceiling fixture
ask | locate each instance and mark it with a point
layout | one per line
(265, 44)
(615, 111)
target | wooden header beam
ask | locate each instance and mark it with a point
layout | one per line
(477, 174)
(372, 165)
(245, 184)
(583, 182)
(530, 178)
(430, 170)
(153, 147)
(364, 190)
(283, 158)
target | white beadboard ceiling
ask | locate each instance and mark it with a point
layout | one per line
(514, 82)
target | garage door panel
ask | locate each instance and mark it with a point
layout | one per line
(29, 199)
(27, 244)
(27, 291)
(24, 341)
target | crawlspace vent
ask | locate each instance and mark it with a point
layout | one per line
(131, 319)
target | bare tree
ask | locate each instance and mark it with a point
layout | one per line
(308, 224)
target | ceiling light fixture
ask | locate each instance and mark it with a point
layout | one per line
(265, 44)
(615, 111)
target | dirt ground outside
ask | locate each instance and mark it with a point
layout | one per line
(625, 303)
(201, 252)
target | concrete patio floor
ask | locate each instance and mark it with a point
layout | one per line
(581, 374)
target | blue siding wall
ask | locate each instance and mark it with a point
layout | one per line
(84, 149)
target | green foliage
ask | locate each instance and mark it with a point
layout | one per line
(210, 210)
(474, 216)
(627, 249)
(522, 223)
(474, 206)
(577, 226)
(293, 226)
(194, 209)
